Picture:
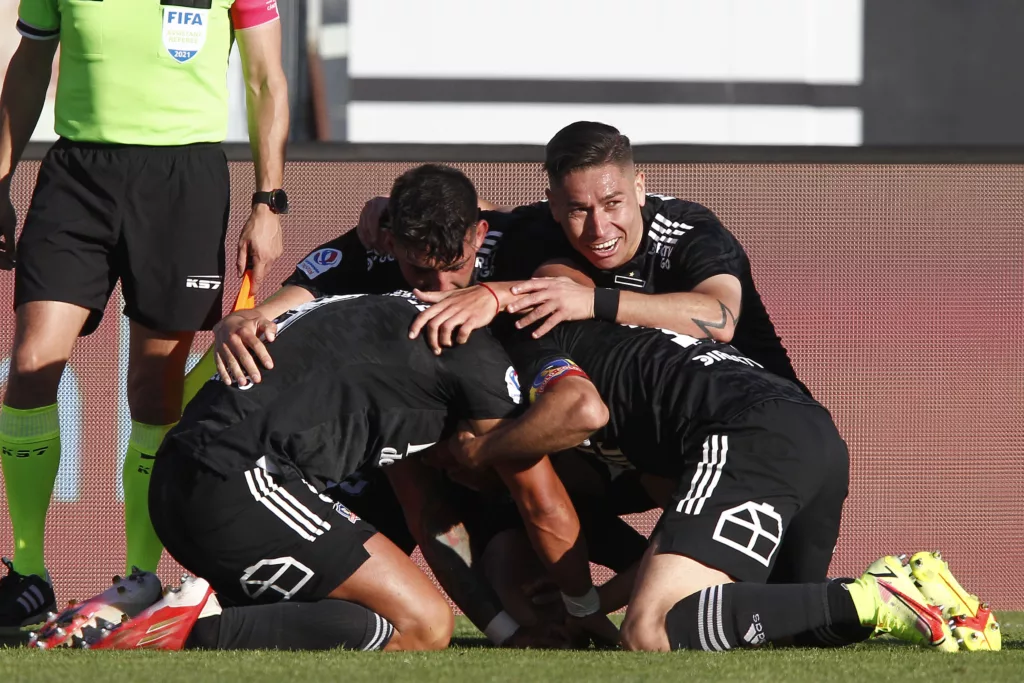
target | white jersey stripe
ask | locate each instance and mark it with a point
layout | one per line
(722, 453)
(273, 493)
(658, 218)
(313, 517)
(706, 474)
(259, 492)
(696, 478)
(284, 518)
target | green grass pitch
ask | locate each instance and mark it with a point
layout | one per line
(469, 660)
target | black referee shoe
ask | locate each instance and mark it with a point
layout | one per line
(24, 602)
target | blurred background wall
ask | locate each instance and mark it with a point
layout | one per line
(728, 72)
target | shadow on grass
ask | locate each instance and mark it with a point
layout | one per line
(470, 642)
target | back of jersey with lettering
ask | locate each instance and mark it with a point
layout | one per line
(658, 385)
(348, 388)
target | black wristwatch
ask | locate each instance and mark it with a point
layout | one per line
(277, 200)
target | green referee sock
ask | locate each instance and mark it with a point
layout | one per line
(142, 544)
(30, 455)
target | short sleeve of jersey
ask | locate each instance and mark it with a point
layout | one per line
(530, 356)
(705, 248)
(335, 267)
(39, 19)
(250, 13)
(481, 379)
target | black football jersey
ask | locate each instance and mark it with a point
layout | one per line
(684, 244)
(660, 387)
(348, 387)
(344, 266)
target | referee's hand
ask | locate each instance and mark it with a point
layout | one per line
(8, 222)
(260, 243)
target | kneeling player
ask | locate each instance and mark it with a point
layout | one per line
(236, 493)
(756, 476)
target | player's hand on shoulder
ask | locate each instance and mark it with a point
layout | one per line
(461, 310)
(368, 227)
(235, 339)
(260, 243)
(8, 223)
(553, 300)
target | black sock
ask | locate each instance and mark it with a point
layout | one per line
(845, 628)
(751, 614)
(322, 625)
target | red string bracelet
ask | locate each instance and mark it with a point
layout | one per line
(497, 302)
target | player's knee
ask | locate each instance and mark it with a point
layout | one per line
(431, 627)
(34, 376)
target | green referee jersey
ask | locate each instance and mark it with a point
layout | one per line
(137, 72)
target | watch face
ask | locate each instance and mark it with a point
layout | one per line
(279, 201)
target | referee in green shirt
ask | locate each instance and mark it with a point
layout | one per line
(136, 190)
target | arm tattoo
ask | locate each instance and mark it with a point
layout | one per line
(707, 325)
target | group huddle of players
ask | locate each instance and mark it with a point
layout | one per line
(497, 387)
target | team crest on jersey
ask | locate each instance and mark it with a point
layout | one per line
(512, 384)
(346, 513)
(319, 262)
(184, 31)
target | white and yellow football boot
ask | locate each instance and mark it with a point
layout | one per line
(972, 622)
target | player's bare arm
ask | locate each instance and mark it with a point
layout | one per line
(445, 544)
(28, 77)
(616, 591)
(562, 417)
(554, 531)
(236, 338)
(443, 539)
(560, 292)
(266, 97)
(711, 309)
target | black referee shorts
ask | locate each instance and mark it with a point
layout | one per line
(153, 217)
(762, 497)
(255, 537)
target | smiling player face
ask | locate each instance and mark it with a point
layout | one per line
(599, 210)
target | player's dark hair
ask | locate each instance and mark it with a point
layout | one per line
(431, 209)
(585, 144)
